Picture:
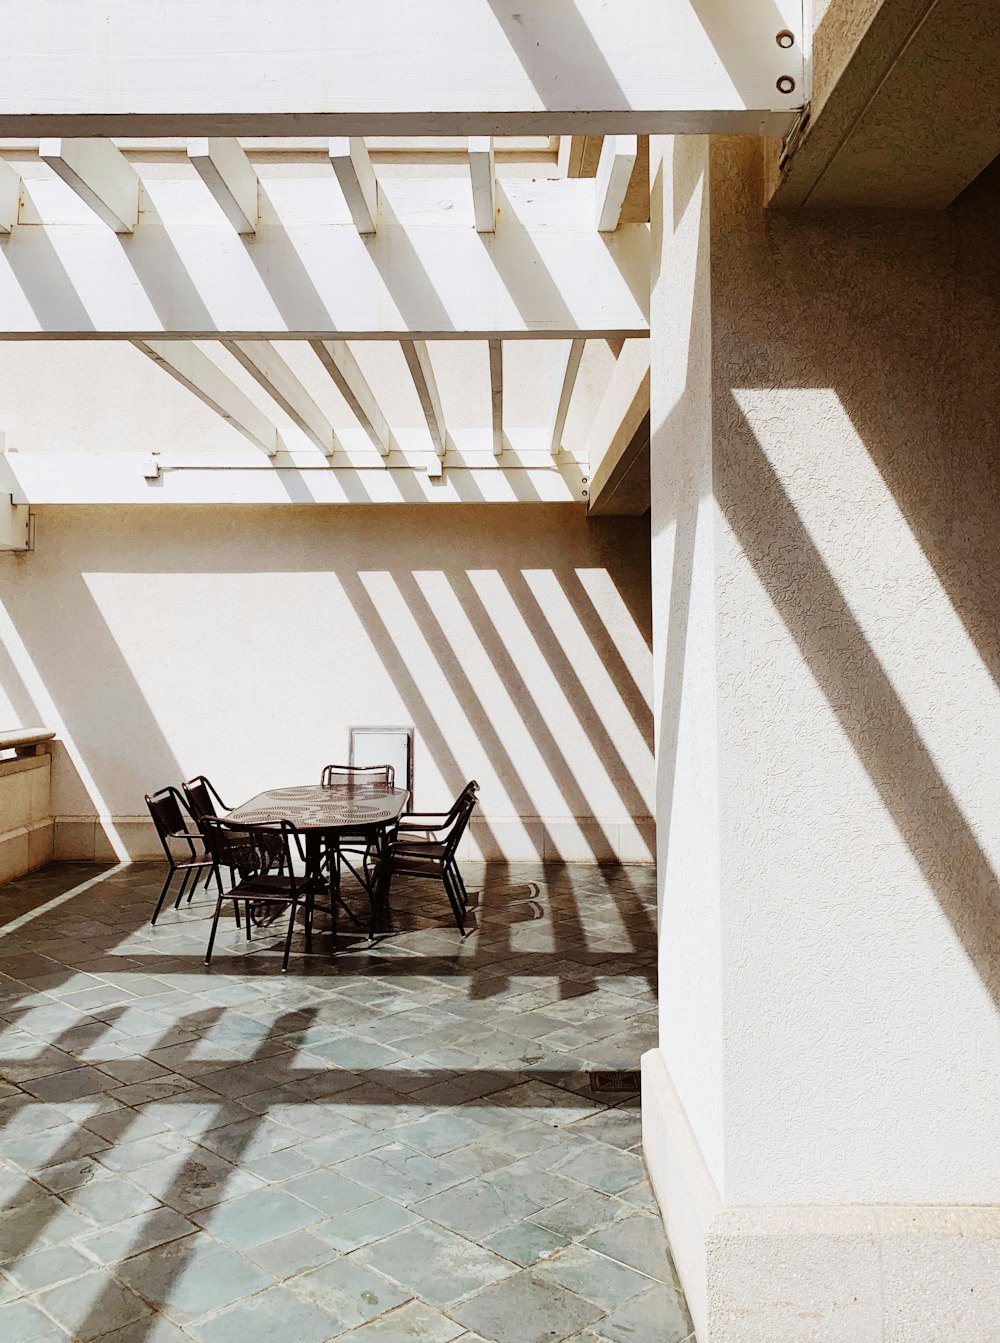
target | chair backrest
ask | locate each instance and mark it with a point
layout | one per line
(170, 815)
(202, 798)
(250, 850)
(465, 805)
(360, 776)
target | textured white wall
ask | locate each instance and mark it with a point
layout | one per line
(856, 424)
(243, 642)
(684, 675)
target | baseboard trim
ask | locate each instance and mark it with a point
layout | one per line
(821, 1274)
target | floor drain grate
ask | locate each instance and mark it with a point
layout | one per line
(617, 1081)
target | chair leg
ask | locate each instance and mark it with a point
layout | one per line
(453, 900)
(194, 884)
(211, 936)
(288, 938)
(180, 893)
(463, 894)
(246, 916)
(163, 893)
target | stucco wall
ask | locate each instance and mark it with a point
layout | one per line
(159, 642)
(685, 675)
(857, 437)
(855, 559)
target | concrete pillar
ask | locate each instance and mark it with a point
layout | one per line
(822, 1116)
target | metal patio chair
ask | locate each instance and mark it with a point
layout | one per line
(359, 845)
(425, 845)
(260, 861)
(174, 822)
(203, 799)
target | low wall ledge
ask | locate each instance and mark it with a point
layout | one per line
(24, 741)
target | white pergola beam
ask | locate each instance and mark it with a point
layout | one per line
(496, 394)
(574, 353)
(482, 170)
(118, 478)
(614, 172)
(352, 384)
(10, 196)
(426, 274)
(194, 370)
(100, 175)
(230, 177)
(616, 433)
(404, 67)
(353, 166)
(418, 361)
(266, 366)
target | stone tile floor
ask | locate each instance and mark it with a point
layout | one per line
(398, 1145)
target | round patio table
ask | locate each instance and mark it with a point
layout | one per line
(327, 815)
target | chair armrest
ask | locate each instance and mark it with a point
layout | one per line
(413, 821)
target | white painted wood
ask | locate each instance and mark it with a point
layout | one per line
(14, 524)
(231, 178)
(100, 175)
(195, 371)
(308, 273)
(356, 176)
(418, 361)
(116, 478)
(340, 363)
(484, 188)
(574, 353)
(411, 67)
(619, 416)
(266, 366)
(10, 196)
(496, 394)
(614, 171)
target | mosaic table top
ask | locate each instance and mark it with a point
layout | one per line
(313, 807)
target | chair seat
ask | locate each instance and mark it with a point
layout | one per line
(270, 888)
(416, 866)
(203, 860)
(425, 848)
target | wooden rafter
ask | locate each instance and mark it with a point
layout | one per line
(482, 169)
(266, 366)
(340, 363)
(230, 177)
(100, 175)
(194, 370)
(353, 166)
(418, 361)
(496, 394)
(574, 353)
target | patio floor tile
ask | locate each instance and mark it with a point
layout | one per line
(398, 1145)
(526, 1309)
(274, 1314)
(434, 1263)
(188, 1278)
(350, 1290)
(93, 1305)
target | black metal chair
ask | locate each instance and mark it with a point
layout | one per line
(359, 844)
(359, 776)
(259, 859)
(203, 799)
(171, 818)
(413, 852)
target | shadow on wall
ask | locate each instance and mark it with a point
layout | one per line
(165, 641)
(865, 494)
